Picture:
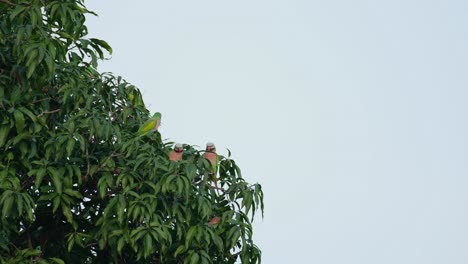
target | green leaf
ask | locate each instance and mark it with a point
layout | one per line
(67, 213)
(194, 259)
(56, 203)
(205, 256)
(4, 130)
(73, 193)
(47, 197)
(148, 245)
(32, 53)
(19, 121)
(7, 204)
(28, 113)
(179, 250)
(190, 235)
(121, 207)
(57, 260)
(52, 51)
(17, 11)
(162, 234)
(218, 241)
(19, 204)
(71, 242)
(31, 252)
(102, 43)
(82, 141)
(137, 234)
(50, 63)
(120, 244)
(233, 236)
(31, 70)
(41, 172)
(34, 18)
(56, 176)
(70, 145)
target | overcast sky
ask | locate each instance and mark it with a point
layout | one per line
(353, 115)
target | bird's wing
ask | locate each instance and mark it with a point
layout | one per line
(147, 126)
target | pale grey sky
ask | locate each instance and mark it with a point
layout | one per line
(351, 114)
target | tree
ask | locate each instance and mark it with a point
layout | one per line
(76, 184)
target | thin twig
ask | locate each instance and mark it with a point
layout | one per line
(92, 197)
(30, 241)
(48, 112)
(40, 100)
(88, 168)
(91, 244)
(216, 188)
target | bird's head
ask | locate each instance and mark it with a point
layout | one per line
(210, 147)
(157, 115)
(178, 148)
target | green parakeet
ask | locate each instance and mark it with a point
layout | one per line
(176, 153)
(151, 125)
(135, 98)
(211, 155)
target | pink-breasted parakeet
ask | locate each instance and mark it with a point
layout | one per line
(151, 124)
(176, 153)
(211, 155)
(214, 220)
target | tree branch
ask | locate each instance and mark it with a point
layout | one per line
(7, 2)
(95, 197)
(113, 154)
(216, 188)
(211, 186)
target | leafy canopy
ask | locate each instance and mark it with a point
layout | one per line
(76, 184)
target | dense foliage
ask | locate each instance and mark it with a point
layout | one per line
(76, 184)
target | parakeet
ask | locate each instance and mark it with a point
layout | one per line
(214, 220)
(176, 153)
(151, 125)
(135, 98)
(211, 155)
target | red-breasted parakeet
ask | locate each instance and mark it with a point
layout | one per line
(214, 220)
(211, 155)
(151, 124)
(176, 153)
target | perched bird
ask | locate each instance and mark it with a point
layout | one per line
(131, 96)
(214, 220)
(135, 98)
(151, 125)
(211, 155)
(176, 153)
